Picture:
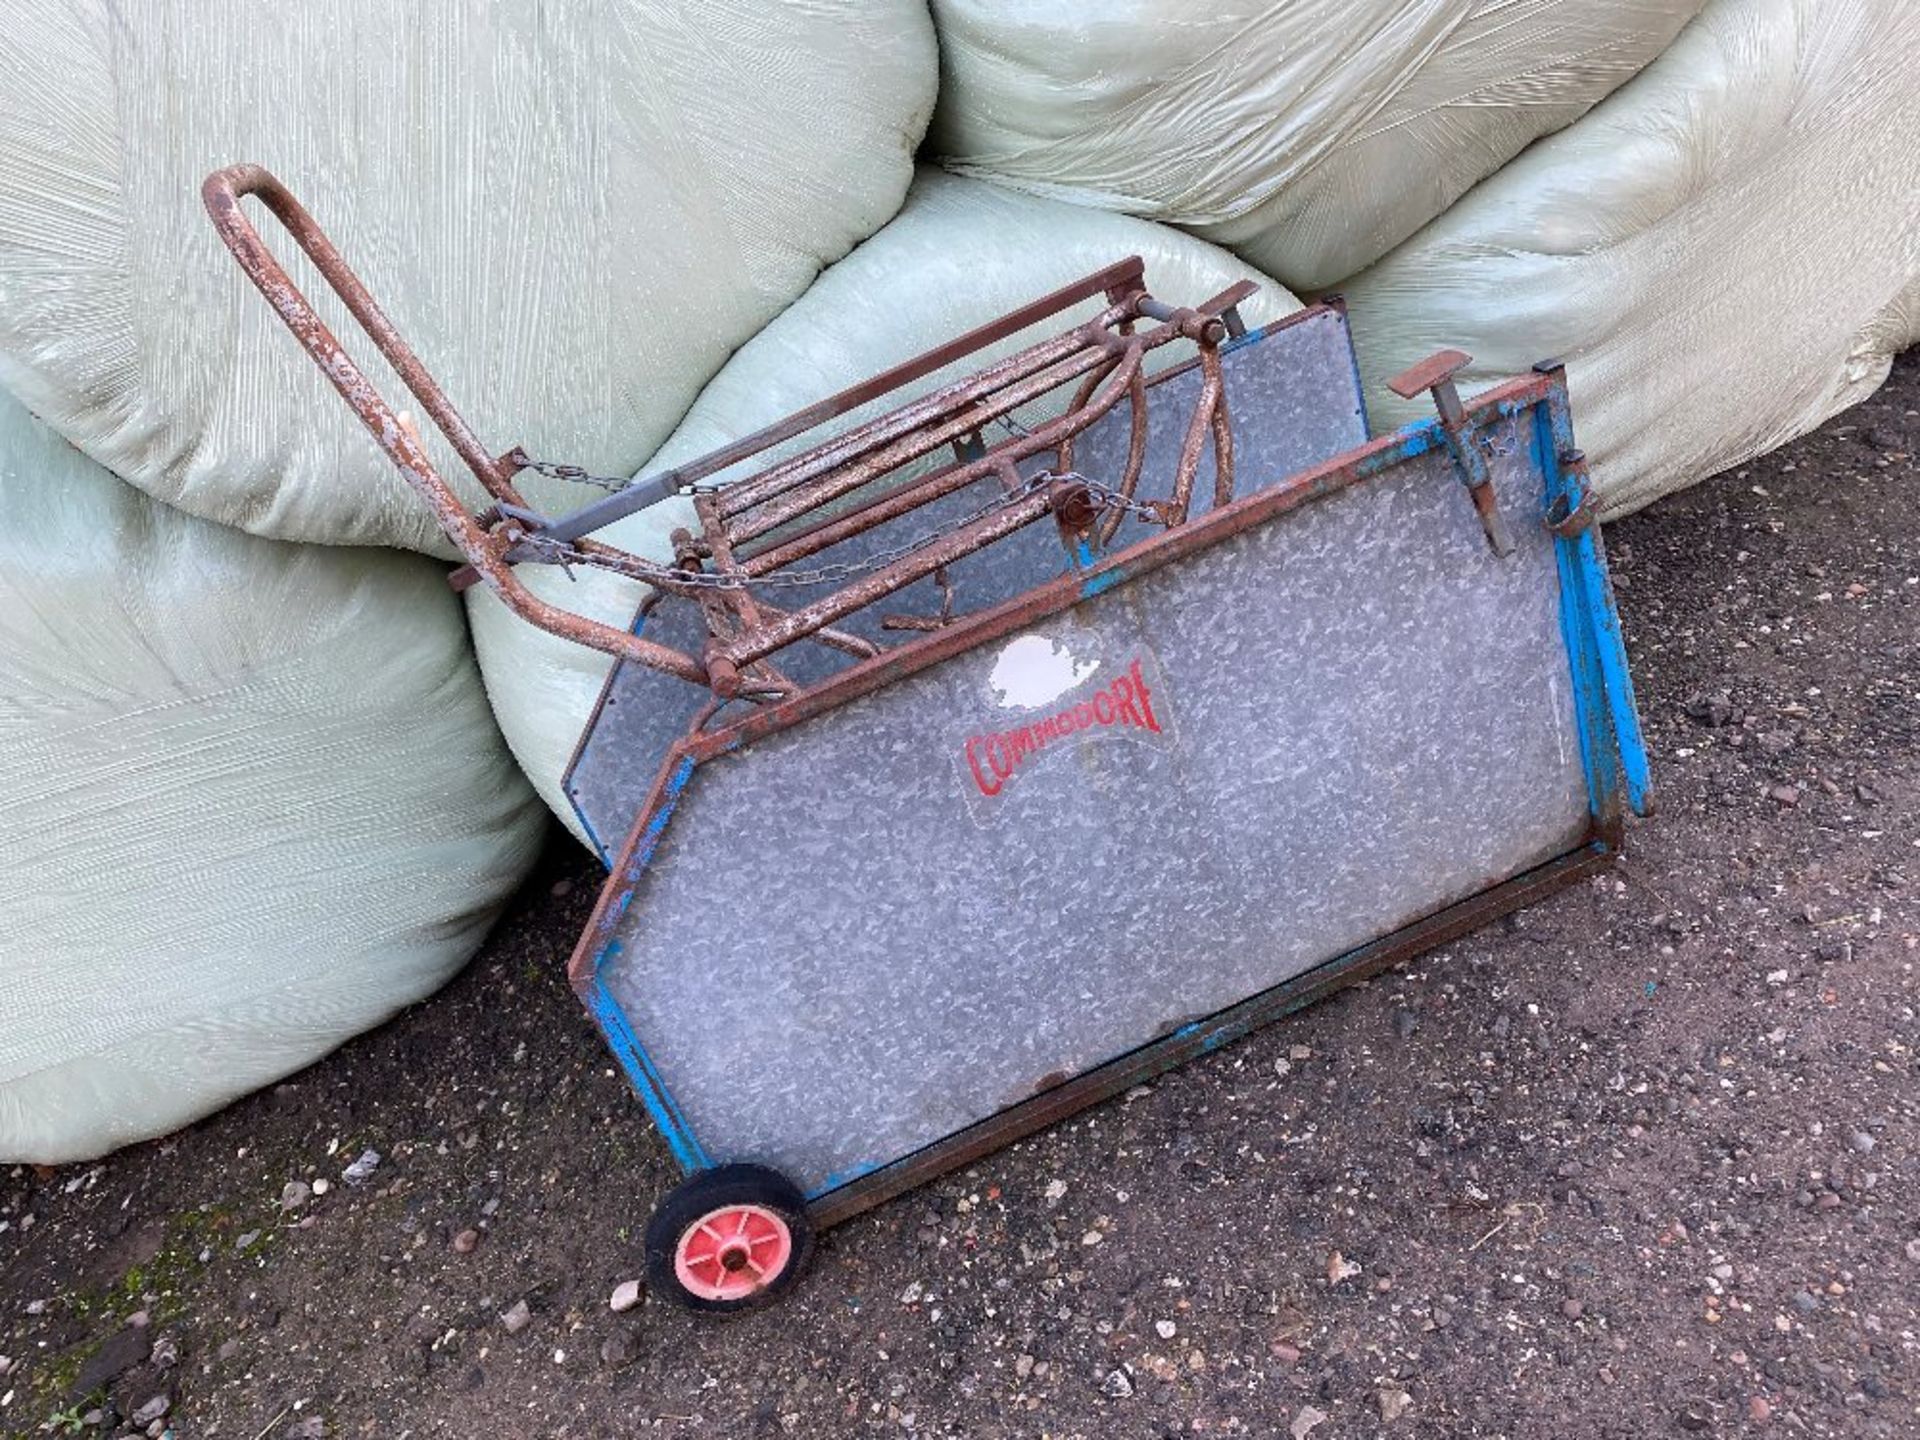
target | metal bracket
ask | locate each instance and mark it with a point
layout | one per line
(1573, 513)
(1435, 374)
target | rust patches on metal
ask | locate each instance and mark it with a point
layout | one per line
(1435, 374)
(1571, 514)
(794, 507)
(1145, 555)
(1102, 357)
(485, 549)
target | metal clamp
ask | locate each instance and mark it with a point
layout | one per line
(1435, 374)
(1575, 512)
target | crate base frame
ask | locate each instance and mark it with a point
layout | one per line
(1613, 757)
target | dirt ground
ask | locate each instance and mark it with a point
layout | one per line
(1640, 1160)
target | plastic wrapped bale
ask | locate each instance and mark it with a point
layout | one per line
(575, 212)
(1310, 138)
(960, 254)
(251, 802)
(1725, 253)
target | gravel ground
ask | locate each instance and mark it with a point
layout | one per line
(1638, 1161)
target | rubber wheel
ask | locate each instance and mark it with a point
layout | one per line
(729, 1239)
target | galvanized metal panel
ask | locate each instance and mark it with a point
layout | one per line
(1295, 401)
(846, 949)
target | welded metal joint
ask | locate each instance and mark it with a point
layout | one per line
(1435, 375)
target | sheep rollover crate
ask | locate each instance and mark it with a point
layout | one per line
(1004, 748)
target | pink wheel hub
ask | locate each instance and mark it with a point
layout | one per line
(733, 1252)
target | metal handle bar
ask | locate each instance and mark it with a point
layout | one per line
(221, 192)
(493, 541)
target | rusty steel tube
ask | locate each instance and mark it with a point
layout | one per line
(945, 481)
(744, 630)
(958, 424)
(1222, 433)
(936, 429)
(1136, 460)
(862, 439)
(222, 193)
(884, 582)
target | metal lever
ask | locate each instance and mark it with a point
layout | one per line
(1435, 374)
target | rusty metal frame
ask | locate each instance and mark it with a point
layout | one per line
(1610, 743)
(774, 517)
(783, 505)
(1331, 304)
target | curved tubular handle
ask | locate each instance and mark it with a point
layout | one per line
(221, 192)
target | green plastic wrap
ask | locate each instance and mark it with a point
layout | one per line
(251, 802)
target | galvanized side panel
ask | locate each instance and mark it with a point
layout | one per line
(869, 931)
(1294, 401)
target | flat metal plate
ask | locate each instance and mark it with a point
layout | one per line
(859, 935)
(1294, 401)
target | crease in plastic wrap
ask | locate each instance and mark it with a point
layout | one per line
(251, 802)
(1310, 137)
(1725, 253)
(575, 212)
(961, 253)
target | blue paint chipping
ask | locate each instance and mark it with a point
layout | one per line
(642, 1074)
(1359, 385)
(1209, 1042)
(1589, 713)
(1611, 743)
(566, 780)
(586, 826)
(646, 1080)
(1237, 342)
(1618, 678)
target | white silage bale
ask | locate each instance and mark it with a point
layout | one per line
(251, 802)
(574, 210)
(1309, 137)
(1725, 253)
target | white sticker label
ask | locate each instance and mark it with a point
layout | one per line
(1058, 699)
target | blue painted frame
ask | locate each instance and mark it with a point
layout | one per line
(1611, 740)
(1612, 749)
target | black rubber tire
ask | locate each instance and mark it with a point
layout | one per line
(739, 1184)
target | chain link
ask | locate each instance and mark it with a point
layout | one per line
(613, 484)
(565, 555)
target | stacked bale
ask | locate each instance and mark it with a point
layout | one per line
(251, 796)
(1726, 252)
(251, 802)
(1310, 138)
(575, 212)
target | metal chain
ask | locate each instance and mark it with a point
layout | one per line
(575, 475)
(1112, 498)
(565, 555)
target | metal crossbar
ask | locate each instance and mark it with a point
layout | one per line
(750, 535)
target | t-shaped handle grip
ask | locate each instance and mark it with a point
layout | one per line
(1435, 375)
(1437, 369)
